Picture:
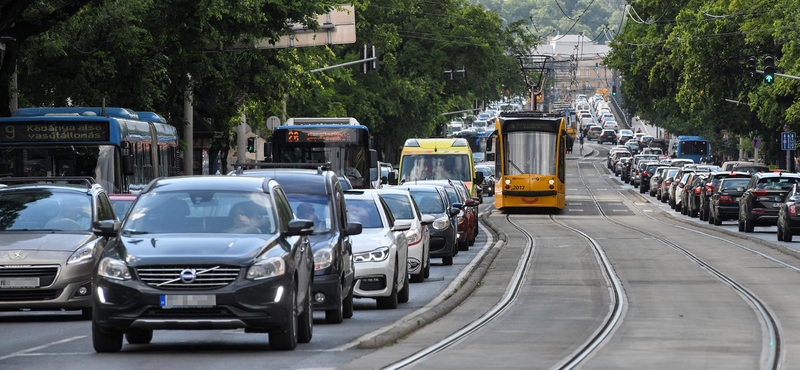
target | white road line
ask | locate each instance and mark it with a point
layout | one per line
(57, 354)
(29, 350)
(441, 297)
(577, 209)
(602, 189)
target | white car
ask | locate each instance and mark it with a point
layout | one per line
(404, 208)
(380, 252)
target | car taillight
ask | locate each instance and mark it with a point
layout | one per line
(793, 210)
(760, 193)
(697, 191)
(710, 188)
(725, 199)
(667, 183)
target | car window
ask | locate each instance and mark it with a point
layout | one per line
(429, 202)
(776, 183)
(121, 207)
(364, 211)
(733, 184)
(400, 206)
(284, 209)
(202, 212)
(45, 209)
(451, 193)
(312, 207)
(104, 209)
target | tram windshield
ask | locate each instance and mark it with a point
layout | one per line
(435, 167)
(530, 152)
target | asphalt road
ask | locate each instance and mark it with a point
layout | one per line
(676, 313)
(60, 340)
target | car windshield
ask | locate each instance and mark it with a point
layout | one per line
(201, 212)
(400, 205)
(121, 207)
(312, 207)
(435, 167)
(734, 184)
(429, 202)
(44, 209)
(365, 212)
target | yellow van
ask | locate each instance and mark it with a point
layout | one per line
(439, 159)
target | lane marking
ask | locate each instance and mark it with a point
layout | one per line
(29, 350)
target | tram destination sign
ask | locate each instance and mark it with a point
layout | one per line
(532, 125)
(302, 135)
(53, 131)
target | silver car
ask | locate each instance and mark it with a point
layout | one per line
(404, 208)
(47, 245)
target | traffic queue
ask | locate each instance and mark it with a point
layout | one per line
(259, 250)
(745, 192)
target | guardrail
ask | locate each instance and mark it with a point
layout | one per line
(621, 113)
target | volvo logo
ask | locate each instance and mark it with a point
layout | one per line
(188, 275)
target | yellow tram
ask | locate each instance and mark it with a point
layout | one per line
(530, 160)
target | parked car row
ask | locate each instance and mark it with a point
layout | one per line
(746, 192)
(259, 250)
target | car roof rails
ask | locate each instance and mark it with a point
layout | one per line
(87, 181)
(263, 165)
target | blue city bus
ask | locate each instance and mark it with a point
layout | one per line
(121, 149)
(342, 142)
(691, 147)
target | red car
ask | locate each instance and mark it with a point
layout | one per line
(122, 203)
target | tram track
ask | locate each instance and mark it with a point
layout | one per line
(511, 295)
(773, 357)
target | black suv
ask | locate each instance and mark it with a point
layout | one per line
(318, 195)
(724, 202)
(763, 197)
(607, 136)
(205, 252)
(47, 243)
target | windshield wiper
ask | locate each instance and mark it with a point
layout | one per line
(135, 232)
(515, 166)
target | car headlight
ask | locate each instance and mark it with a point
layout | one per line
(267, 268)
(323, 258)
(114, 269)
(441, 223)
(376, 255)
(83, 254)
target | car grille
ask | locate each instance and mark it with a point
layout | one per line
(29, 295)
(46, 274)
(195, 313)
(169, 277)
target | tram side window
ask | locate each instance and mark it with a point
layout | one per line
(147, 170)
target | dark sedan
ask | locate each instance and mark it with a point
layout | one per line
(788, 217)
(724, 202)
(205, 253)
(433, 200)
(762, 200)
(708, 190)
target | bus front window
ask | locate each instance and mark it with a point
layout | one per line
(68, 160)
(348, 161)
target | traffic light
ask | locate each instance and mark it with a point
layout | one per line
(751, 67)
(614, 90)
(251, 144)
(769, 69)
(596, 66)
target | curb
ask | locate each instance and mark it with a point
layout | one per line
(468, 285)
(780, 248)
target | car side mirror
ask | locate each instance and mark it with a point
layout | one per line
(127, 164)
(479, 177)
(472, 203)
(454, 212)
(401, 225)
(384, 180)
(477, 200)
(458, 205)
(392, 178)
(106, 228)
(427, 219)
(353, 228)
(300, 227)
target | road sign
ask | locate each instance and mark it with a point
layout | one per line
(787, 141)
(786, 128)
(756, 142)
(273, 122)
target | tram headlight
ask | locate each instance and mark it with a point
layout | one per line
(551, 182)
(508, 182)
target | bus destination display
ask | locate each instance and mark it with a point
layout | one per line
(53, 131)
(520, 125)
(303, 136)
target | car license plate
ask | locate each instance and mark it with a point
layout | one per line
(776, 205)
(19, 282)
(188, 301)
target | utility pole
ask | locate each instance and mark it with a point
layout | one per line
(188, 130)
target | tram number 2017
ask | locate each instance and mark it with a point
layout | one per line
(10, 132)
(517, 187)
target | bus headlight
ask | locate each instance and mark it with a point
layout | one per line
(508, 182)
(551, 182)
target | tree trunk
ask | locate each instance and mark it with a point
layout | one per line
(7, 69)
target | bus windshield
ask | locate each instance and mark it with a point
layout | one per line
(96, 161)
(530, 152)
(693, 147)
(349, 161)
(435, 167)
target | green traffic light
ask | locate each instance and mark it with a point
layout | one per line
(769, 78)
